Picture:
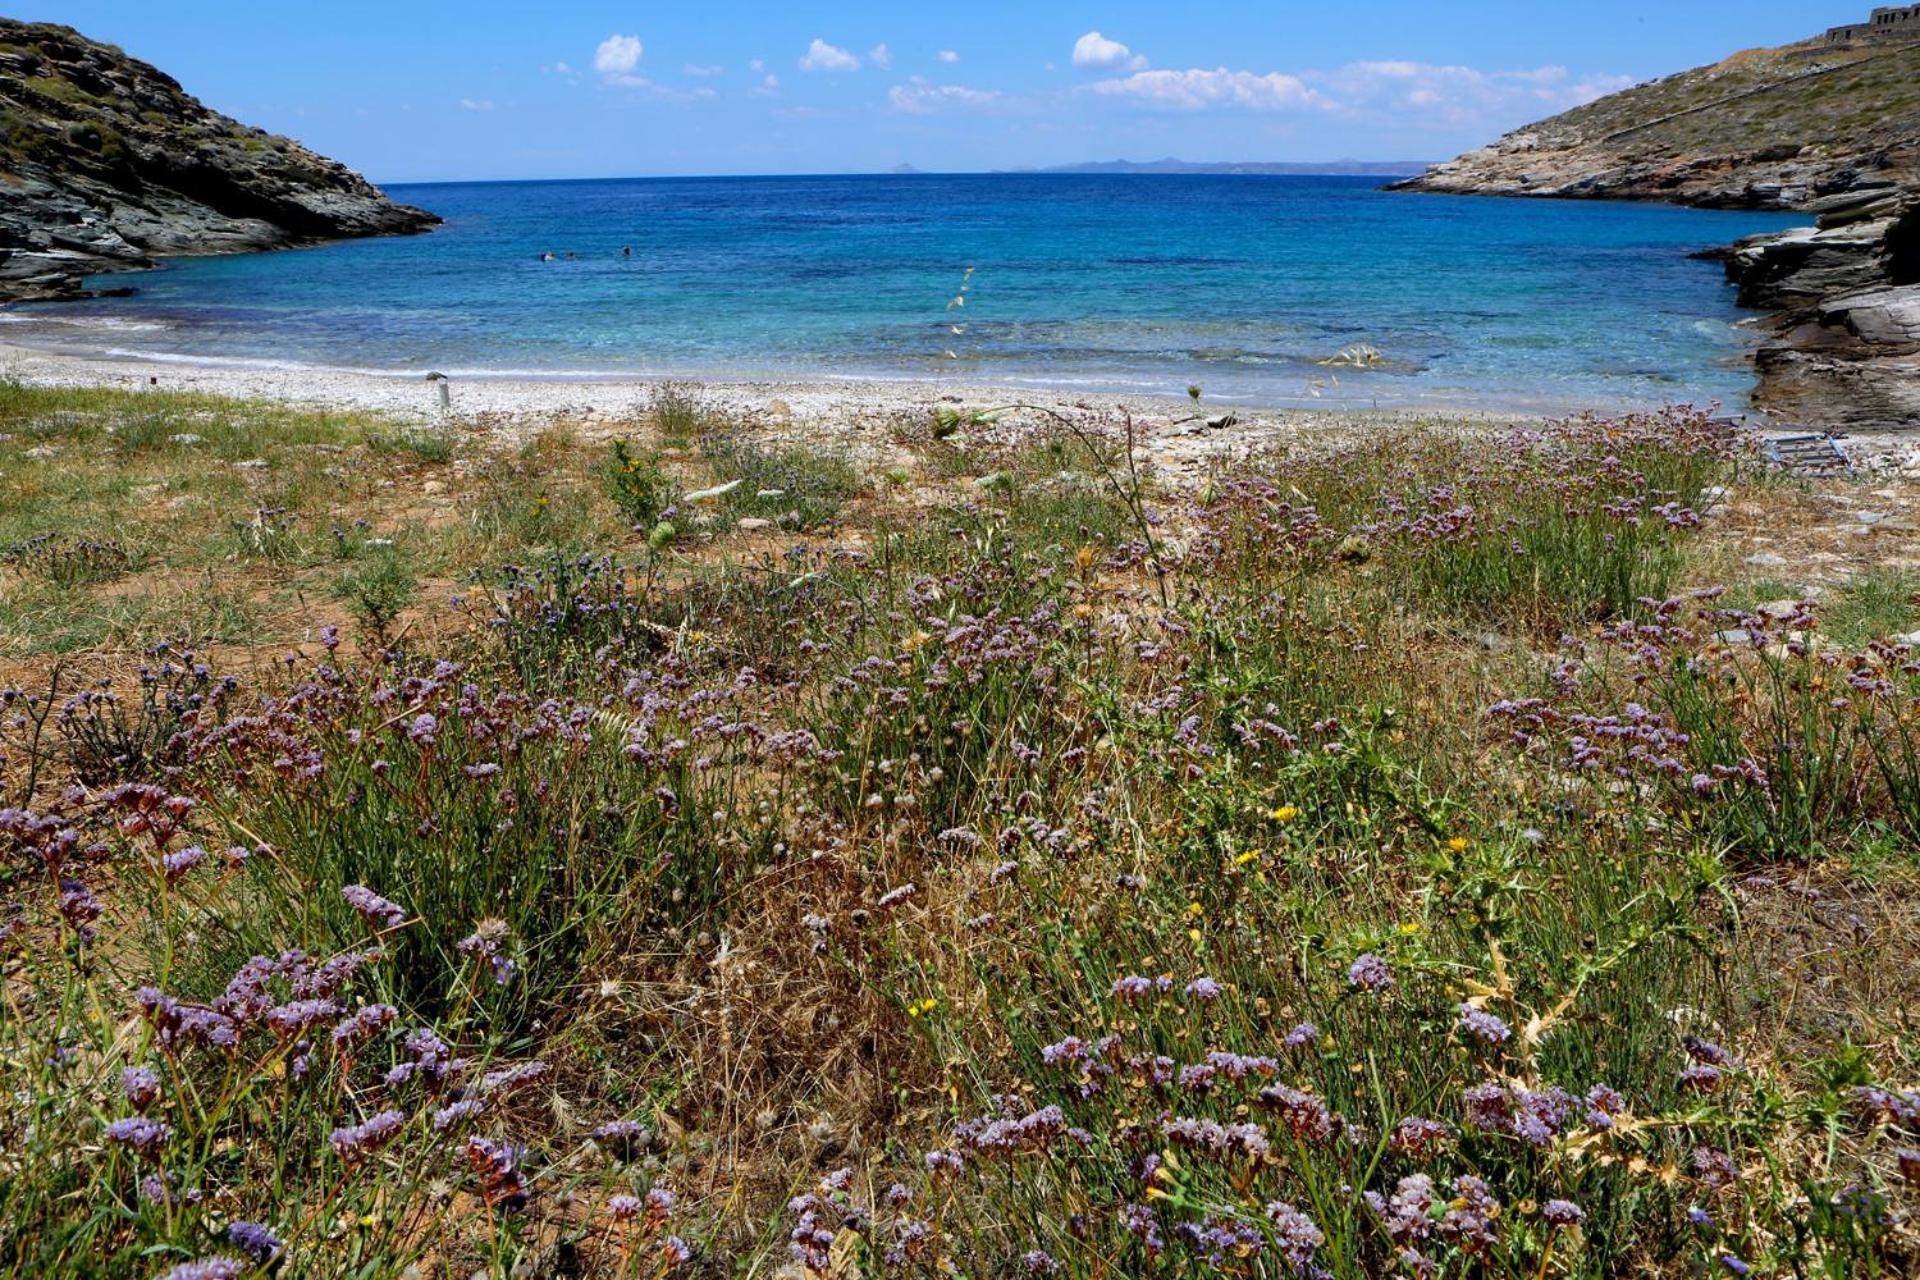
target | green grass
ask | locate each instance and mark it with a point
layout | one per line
(934, 812)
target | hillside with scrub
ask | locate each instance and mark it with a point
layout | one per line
(1765, 128)
(663, 846)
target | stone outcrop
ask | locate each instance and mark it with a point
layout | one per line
(1845, 350)
(106, 163)
(1833, 131)
(1765, 129)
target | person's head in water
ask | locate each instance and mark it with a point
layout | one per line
(626, 251)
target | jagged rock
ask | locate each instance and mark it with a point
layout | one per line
(1800, 267)
(1888, 317)
(1846, 353)
(106, 162)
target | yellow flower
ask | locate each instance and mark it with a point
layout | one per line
(1195, 935)
(1285, 813)
(1251, 855)
(1194, 909)
(1411, 927)
(1458, 844)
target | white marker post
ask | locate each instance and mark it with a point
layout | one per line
(443, 385)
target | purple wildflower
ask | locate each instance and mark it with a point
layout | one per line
(1203, 990)
(255, 1241)
(497, 1165)
(1414, 1135)
(208, 1269)
(1603, 1104)
(1370, 973)
(425, 730)
(624, 1140)
(1715, 1169)
(379, 912)
(297, 1016)
(623, 1208)
(1563, 1213)
(1706, 1051)
(1470, 1218)
(1483, 1025)
(363, 1025)
(354, 1142)
(141, 1085)
(143, 1135)
(512, 1077)
(1296, 1235)
(1700, 1077)
(177, 864)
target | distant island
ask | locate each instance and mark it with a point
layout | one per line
(1327, 168)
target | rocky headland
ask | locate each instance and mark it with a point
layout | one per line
(1828, 129)
(107, 163)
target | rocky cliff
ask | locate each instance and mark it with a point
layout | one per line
(1765, 129)
(106, 162)
(1833, 132)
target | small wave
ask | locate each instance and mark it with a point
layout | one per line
(110, 323)
(268, 365)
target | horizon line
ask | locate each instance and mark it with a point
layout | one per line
(1048, 171)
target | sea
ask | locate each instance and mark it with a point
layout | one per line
(1262, 290)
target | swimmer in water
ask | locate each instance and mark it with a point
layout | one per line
(546, 257)
(626, 251)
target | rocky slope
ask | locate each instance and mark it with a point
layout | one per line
(106, 162)
(1765, 129)
(1834, 132)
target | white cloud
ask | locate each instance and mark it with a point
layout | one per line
(768, 87)
(822, 56)
(1429, 95)
(557, 69)
(757, 65)
(617, 56)
(880, 56)
(948, 55)
(1095, 52)
(476, 104)
(702, 73)
(1198, 89)
(921, 98)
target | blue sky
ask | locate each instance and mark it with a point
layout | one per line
(409, 89)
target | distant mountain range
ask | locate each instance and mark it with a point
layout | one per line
(1355, 168)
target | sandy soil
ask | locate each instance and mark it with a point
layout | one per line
(850, 413)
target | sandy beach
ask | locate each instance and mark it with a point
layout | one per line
(859, 416)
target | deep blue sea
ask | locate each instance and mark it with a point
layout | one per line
(1136, 284)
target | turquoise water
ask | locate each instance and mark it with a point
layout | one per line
(1134, 284)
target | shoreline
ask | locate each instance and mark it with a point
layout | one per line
(515, 394)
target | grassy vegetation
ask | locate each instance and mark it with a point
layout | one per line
(1843, 99)
(1380, 859)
